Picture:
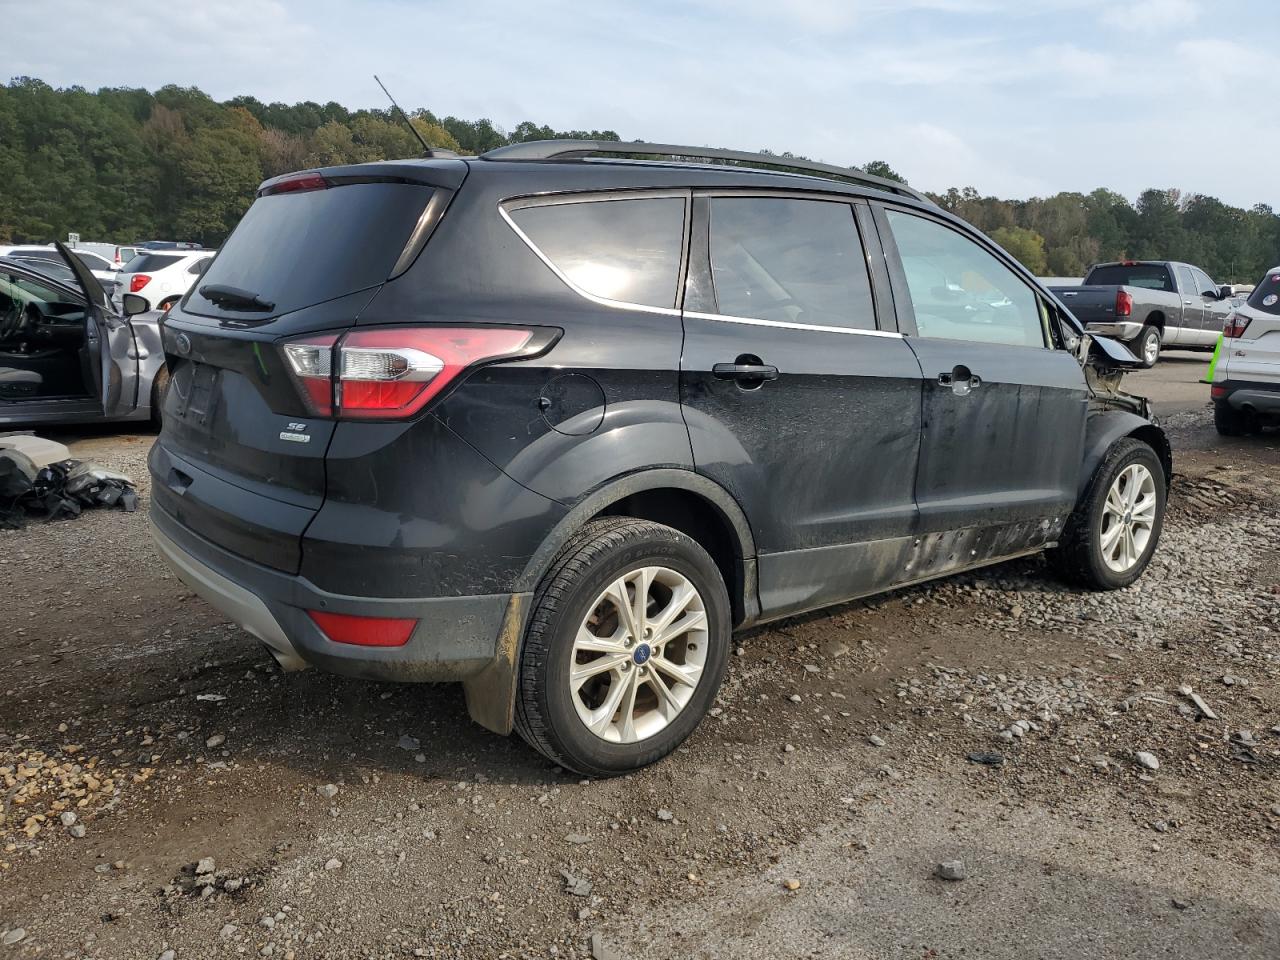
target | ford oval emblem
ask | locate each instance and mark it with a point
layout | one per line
(183, 343)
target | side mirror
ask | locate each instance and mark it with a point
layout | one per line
(133, 305)
(1225, 292)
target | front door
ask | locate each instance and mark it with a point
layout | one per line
(799, 401)
(1003, 405)
(1215, 308)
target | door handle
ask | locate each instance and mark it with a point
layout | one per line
(746, 370)
(960, 379)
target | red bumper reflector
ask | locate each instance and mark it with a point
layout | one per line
(1217, 391)
(364, 631)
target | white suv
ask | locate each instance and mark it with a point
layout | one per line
(1246, 378)
(162, 277)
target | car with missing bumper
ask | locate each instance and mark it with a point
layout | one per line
(1246, 377)
(555, 421)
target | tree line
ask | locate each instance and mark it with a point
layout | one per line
(125, 164)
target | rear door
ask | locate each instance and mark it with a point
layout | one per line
(799, 401)
(1187, 330)
(1003, 406)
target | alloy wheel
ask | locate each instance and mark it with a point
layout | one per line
(639, 654)
(1128, 518)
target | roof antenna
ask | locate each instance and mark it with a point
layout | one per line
(426, 147)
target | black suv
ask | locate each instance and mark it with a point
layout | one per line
(556, 420)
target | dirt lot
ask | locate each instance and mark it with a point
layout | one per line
(806, 818)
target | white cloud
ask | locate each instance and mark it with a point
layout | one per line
(1152, 16)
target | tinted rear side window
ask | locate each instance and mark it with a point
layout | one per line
(624, 250)
(1153, 276)
(790, 261)
(1266, 295)
(150, 262)
(302, 248)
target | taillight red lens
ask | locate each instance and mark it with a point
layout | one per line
(364, 631)
(297, 183)
(1235, 326)
(1124, 303)
(137, 281)
(311, 362)
(391, 373)
(394, 372)
(1217, 391)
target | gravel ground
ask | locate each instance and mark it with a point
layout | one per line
(168, 793)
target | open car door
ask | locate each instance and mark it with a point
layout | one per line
(109, 342)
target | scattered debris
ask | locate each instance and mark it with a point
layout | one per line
(59, 490)
(38, 450)
(1204, 708)
(1147, 760)
(666, 816)
(952, 870)
(333, 863)
(791, 883)
(409, 743)
(988, 759)
(16, 935)
(328, 790)
(875, 741)
(576, 886)
(601, 950)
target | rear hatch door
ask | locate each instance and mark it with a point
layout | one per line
(240, 459)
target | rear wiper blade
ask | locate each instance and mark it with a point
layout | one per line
(233, 298)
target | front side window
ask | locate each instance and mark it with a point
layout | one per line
(627, 250)
(791, 261)
(959, 291)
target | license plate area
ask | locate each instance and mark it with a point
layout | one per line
(195, 386)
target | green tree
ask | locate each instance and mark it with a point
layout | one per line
(878, 168)
(1026, 245)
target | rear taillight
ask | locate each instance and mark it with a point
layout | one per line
(137, 281)
(1124, 303)
(393, 372)
(311, 361)
(364, 631)
(1217, 391)
(1235, 326)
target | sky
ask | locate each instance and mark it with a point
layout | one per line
(1017, 98)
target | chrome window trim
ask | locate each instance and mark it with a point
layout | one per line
(788, 325)
(599, 198)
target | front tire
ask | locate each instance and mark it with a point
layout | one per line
(1149, 344)
(159, 387)
(625, 650)
(1113, 532)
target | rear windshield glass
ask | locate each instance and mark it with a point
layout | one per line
(149, 262)
(1266, 295)
(298, 249)
(1153, 276)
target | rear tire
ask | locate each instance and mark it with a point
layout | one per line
(593, 673)
(159, 387)
(1231, 422)
(1113, 532)
(1149, 344)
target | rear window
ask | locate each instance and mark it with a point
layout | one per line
(623, 250)
(1153, 276)
(150, 262)
(302, 248)
(1266, 295)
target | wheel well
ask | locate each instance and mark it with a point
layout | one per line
(1156, 319)
(697, 518)
(1155, 438)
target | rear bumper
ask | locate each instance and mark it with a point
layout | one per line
(1120, 329)
(1259, 397)
(456, 638)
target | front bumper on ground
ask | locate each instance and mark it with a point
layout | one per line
(1120, 329)
(456, 638)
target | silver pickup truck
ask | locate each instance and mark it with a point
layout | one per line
(1150, 304)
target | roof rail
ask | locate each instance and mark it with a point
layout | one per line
(570, 149)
